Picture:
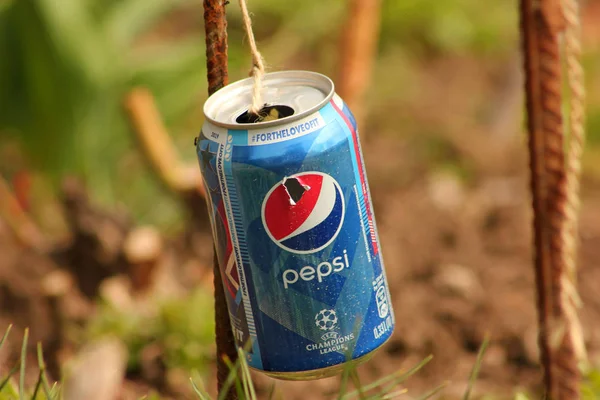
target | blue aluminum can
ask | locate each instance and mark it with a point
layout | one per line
(294, 229)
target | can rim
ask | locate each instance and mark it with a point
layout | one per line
(312, 79)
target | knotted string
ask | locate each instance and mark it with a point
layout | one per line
(258, 66)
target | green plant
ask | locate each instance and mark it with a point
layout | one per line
(42, 389)
(385, 388)
(182, 328)
(64, 73)
(450, 26)
(591, 385)
(239, 378)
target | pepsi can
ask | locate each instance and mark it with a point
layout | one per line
(294, 229)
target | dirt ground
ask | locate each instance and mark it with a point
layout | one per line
(458, 259)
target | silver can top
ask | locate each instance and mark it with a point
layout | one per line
(300, 92)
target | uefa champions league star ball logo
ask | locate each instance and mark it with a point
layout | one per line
(304, 213)
(326, 320)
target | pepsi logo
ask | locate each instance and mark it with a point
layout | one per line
(309, 223)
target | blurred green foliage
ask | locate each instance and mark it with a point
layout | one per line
(465, 26)
(182, 329)
(65, 71)
(591, 386)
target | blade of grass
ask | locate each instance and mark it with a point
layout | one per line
(55, 391)
(387, 395)
(393, 395)
(377, 396)
(389, 387)
(433, 392)
(23, 365)
(344, 382)
(244, 381)
(476, 367)
(5, 335)
(397, 378)
(356, 381)
(42, 366)
(247, 378)
(200, 392)
(239, 390)
(349, 367)
(37, 386)
(230, 379)
(271, 394)
(10, 374)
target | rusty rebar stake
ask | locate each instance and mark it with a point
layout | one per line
(538, 184)
(550, 23)
(215, 25)
(541, 25)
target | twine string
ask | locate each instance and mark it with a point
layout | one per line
(258, 66)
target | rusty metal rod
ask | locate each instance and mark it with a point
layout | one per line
(215, 25)
(541, 25)
(550, 25)
(538, 184)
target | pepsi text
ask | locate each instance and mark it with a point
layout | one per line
(323, 270)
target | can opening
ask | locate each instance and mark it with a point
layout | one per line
(295, 189)
(268, 113)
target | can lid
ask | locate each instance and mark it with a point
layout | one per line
(303, 92)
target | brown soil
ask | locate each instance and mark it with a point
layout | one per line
(458, 258)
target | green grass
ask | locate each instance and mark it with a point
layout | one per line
(41, 389)
(385, 388)
(182, 328)
(239, 379)
(476, 367)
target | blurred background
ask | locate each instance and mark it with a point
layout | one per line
(102, 227)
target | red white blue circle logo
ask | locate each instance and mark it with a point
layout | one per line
(304, 213)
